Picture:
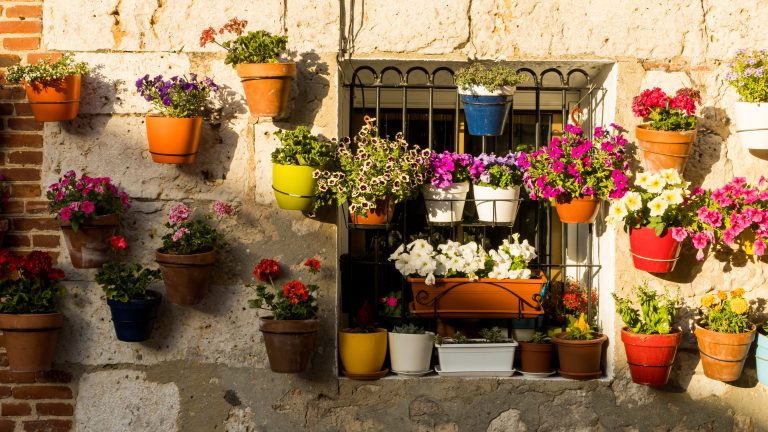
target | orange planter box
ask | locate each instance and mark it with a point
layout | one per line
(487, 298)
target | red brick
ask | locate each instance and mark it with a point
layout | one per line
(7, 376)
(6, 109)
(34, 58)
(5, 392)
(16, 409)
(21, 174)
(37, 207)
(42, 392)
(29, 224)
(8, 92)
(9, 60)
(48, 426)
(21, 140)
(24, 11)
(21, 43)
(25, 190)
(26, 157)
(21, 27)
(55, 409)
(54, 376)
(13, 207)
(4, 360)
(23, 109)
(45, 241)
(7, 425)
(17, 240)
(24, 124)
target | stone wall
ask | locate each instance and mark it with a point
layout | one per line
(205, 367)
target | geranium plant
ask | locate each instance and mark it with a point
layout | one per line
(575, 166)
(300, 147)
(124, 282)
(477, 76)
(190, 236)
(29, 284)
(251, 47)
(46, 70)
(665, 112)
(749, 75)
(77, 200)
(725, 313)
(296, 301)
(497, 171)
(656, 312)
(178, 96)
(447, 168)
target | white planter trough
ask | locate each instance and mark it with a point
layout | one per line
(445, 205)
(495, 204)
(410, 353)
(477, 357)
(752, 124)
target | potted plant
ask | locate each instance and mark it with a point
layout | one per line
(189, 252)
(291, 331)
(649, 339)
(374, 173)
(656, 214)
(52, 86)
(363, 348)
(29, 318)
(486, 92)
(266, 81)
(761, 355)
(448, 183)
(464, 281)
(496, 187)
(173, 132)
(3, 199)
(88, 210)
(724, 334)
(536, 355)
(293, 164)
(132, 305)
(577, 172)
(667, 140)
(410, 350)
(492, 355)
(748, 75)
(579, 349)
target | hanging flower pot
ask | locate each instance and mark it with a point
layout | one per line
(752, 124)
(362, 353)
(294, 186)
(723, 354)
(486, 92)
(445, 205)
(30, 340)
(577, 210)
(89, 245)
(486, 115)
(580, 359)
(650, 356)
(134, 319)
(497, 205)
(664, 149)
(761, 357)
(186, 276)
(267, 87)
(652, 253)
(173, 140)
(289, 343)
(381, 215)
(54, 100)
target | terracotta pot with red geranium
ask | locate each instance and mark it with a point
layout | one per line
(189, 252)
(88, 210)
(577, 172)
(290, 332)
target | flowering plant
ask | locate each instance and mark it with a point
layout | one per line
(668, 113)
(491, 78)
(571, 297)
(447, 168)
(372, 168)
(76, 200)
(656, 314)
(497, 171)
(252, 47)
(295, 301)
(300, 147)
(46, 70)
(578, 329)
(723, 314)
(392, 304)
(575, 166)
(179, 97)
(749, 75)
(30, 283)
(191, 236)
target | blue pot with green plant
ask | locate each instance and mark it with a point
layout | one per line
(486, 92)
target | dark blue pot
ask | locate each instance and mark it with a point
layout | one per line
(486, 115)
(135, 318)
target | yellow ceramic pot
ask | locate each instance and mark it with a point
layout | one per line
(362, 353)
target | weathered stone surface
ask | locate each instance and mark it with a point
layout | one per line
(313, 25)
(508, 421)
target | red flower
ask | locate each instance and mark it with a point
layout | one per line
(56, 274)
(208, 35)
(313, 264)
(266, 270)
(295, 290)
(235, 26)
(118, 242)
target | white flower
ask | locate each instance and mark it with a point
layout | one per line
(430, 280)
(617, 213)
(655, 184)
(642, 180)
(658, 206)
(673, 196)
(632, 201)
(671, 176)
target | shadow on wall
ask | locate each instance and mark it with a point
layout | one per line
(310, 88)
(713, 131)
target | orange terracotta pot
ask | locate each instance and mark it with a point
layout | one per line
(89, 246)
(723, 354)
(580, 359)
(30, 340)
(664, 149)
(267, 87)
(186, 276)
(381, 215)
(577, 210)
(173, 140)
(54, 100)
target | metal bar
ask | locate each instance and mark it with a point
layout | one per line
(430, 117)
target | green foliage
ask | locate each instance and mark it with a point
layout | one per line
(281, 306)
(254, 47)
(540, 338)
(578, 329)
(656, 314)
(488, 335)
(749, 75)
(725, 314)
(47, 70)
(669, 119)
(300, 147)
(765, 327)
(409, 328)
(199, 237)
(491, 77)
(123, 282)
(493, 335)
(35, 286)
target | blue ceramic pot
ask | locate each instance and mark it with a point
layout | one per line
(486, 115)
(135, 318)
(761, 357)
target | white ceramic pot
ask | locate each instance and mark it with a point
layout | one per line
(445, 205)
(476, 357)
(478, 90)
(410, 352)
(752, 124)
(496, 205)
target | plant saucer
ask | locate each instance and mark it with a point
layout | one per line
(504, 373)
(366, 376)
(537, 374)
(412, 374)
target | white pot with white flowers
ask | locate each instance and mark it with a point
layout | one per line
(749, 75)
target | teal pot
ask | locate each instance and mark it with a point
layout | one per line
(762, 359)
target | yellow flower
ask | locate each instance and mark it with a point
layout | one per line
(582, 324)
(708, 300)
(739, 305)
(738, 292)
(718, 307)
(722, 295)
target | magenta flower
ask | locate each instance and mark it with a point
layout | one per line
(178, 214)
(223, 209)
(678, 233)
(180, 233)
(65, 213)
(87, 207)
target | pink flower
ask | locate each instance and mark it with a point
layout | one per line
(679, 234)
(88, 207)
(180, 233)
(223, 209)
(118, 242)
(178, 214)
(65, 213)
(75, 206)
(759, 247)
(392, 301)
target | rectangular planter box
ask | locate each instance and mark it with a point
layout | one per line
(476, 357)
(483, 298)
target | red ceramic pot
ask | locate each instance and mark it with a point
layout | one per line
(652, 253)
(650, 356)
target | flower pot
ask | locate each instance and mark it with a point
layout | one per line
(723, 354)
(496, 205)
(54, 100)
(664, 149)
(290, 343)
(652, 253)
(30, 340)
(135, 318)
(489, 298)
(173, 140)
(362, 353)
(185, 276)
(294, 186)
(477, 357)
(267, 87)
(410, 352)
(3, 230)
(536, 357)
(89, 246)
(580, 359)
(650, 356)
(486, 115)
(381, 215)
(577, 210)
(445, 205)
(752, 124)
(761, 357)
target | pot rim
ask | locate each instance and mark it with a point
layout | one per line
(156, 296)
(556, 339)
(647, 127)
(674, 332)
(270, 318)
(107, 220)
(348, 330)
(698, 326)
(157, 251)
(175, 118)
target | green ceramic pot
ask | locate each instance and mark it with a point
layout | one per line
(294, 186)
